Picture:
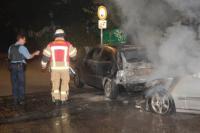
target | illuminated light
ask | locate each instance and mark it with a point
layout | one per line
(102, 12)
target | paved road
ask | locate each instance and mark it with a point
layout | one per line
(36, 79)
(87, 112)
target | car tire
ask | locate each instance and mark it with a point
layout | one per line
(161, 103)
(77, 80)
(111, 90)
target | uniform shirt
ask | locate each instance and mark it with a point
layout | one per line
(22, 50)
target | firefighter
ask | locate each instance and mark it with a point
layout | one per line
(58, 53)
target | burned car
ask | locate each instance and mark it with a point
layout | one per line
(113, 67)
(127, 67)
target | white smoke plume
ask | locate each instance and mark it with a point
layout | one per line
(179, 52)
(189, 8)
(158, 25)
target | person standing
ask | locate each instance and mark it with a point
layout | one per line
(58, 53)
(17, 54)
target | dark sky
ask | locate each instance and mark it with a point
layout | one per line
(17, 15)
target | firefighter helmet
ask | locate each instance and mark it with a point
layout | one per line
(59, 33)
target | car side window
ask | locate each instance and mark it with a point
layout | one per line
(106, 55)
(89, 55)
(135, 55)
(94, 54)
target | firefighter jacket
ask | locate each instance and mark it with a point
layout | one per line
(58, 53)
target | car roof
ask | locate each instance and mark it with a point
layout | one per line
(126, 47)
(115, 48)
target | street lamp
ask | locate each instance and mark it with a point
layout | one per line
(102, 12)
(102, 23)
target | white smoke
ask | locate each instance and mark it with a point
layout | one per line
(171, 46)
(189, 8)
(179, 52)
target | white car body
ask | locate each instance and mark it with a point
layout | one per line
(186, 94)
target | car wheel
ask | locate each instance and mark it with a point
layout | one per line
(77, 81)
(161, 103)
(110, 89)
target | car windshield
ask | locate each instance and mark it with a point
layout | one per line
(135, 55)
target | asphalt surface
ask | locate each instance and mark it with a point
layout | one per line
(88, 111)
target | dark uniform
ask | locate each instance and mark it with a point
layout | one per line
(17, 55)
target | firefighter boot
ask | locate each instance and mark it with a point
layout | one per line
(56, 97)
(64, 97)
(55, 101)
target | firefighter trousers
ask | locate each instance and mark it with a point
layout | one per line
(60, 85)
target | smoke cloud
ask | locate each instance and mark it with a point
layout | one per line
(189, 8)
(166, 29)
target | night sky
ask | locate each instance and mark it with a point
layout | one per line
(23, 15)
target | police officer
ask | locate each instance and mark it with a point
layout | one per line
(17, 54)
(58, 53)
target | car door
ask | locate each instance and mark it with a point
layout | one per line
(104, 65)
(90, 63)
(186, 93)
(178, 91)
(193, 92)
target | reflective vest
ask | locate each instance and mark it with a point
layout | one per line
(59, 52)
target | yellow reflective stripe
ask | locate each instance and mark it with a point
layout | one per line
(65, 56)
(59, 68)
(47, 52)
(53, 57)
(63, 93)
(56, 91)
(59, 47)
(73, 52)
